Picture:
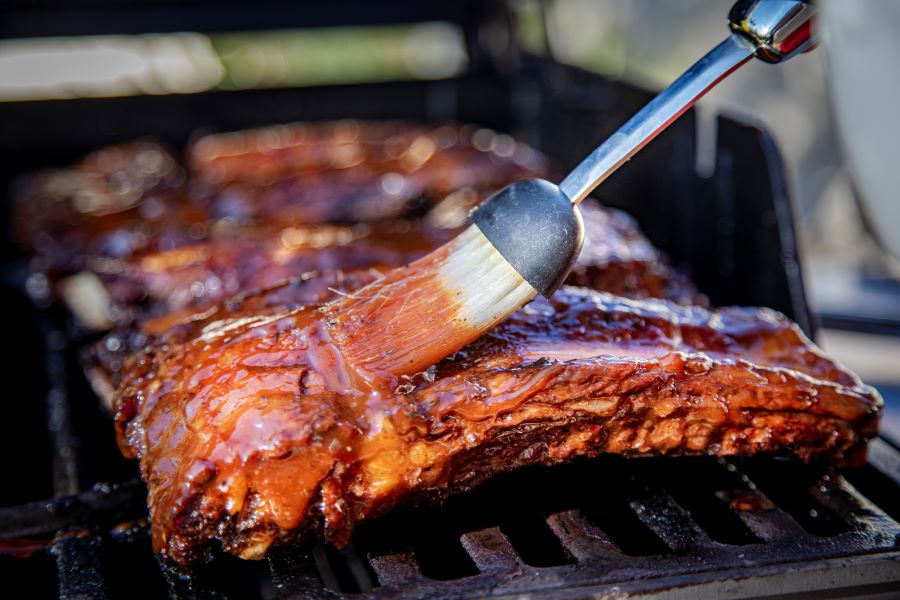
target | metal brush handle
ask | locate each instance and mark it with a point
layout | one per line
(778, 29)
(772, 30)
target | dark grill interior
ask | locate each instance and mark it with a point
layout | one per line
(73, 512)
(641, 525)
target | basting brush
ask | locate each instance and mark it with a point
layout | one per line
(524, 239)
(524, 242)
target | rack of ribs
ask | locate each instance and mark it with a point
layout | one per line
(141, 197)
(158, 289)
(148, 234)
(251, 430)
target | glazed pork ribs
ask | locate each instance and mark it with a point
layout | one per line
(164, 288)
(141, 197)
(251, 430)
(133, 232)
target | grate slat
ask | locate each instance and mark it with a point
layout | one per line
(671, 523)
(885, 458)
(769, 523)
(582, 539)
(116, 503)
(857, 510)
(396, 570)
(79, 567)
(294, 575)
(358, 568)
(787, 484)
(224, 577)
(491, 551)
(189, 588)
(63, 441)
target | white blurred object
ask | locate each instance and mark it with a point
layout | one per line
(113, 65)
(863, 64)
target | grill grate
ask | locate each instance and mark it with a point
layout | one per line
(685, 527)
(636, 526)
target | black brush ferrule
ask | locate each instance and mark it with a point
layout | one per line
(536, 228)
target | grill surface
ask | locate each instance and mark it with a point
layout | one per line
(741, 527)
(608, 527)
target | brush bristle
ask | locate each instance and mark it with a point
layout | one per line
(417, 315)
(488, 288)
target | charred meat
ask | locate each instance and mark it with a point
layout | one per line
(148, 234)
(139, 197)
(250, 429)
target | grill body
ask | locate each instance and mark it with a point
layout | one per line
(73, 514)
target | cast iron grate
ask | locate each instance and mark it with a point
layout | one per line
(606, 525)
(599, 527)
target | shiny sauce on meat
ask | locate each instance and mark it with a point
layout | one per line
(256, 428)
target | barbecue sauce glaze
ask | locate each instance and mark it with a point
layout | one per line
(253, 430)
